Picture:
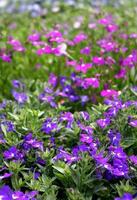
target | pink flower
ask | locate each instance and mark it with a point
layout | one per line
(98, 60)
(17, 46)
(79, 38)
(87, 82)
(121, 73)
(34, 37)
(6, 58)
(111, 27)
(109, 93)
(83, 67)
(85, 50)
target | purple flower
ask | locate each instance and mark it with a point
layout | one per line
(133, 123)
(2, 140)
(9, 126)
(17, 84)
(86, 138)
(83, 67)
(115, 137)
(29, 143)
(34, 37)
(109, 93)
(67, 116)
(49, 126)
(5, 175)
(85, 115)
(27, 196)
(67, 157)
(6, 58)
(85, 50)
(133, 159)
(103, 123)
(19, 97)
(87, 82)
(98, 60)
(126, 196)
(79, 38)
(6, 193)
(52, 80)
(13, 153)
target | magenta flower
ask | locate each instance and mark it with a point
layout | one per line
(87, 82)
(111, 28)
(121, 74)
(85, 50)
(34, 37)
(83, 67)
(98, 60)
(109, 93)
(79, 38)
(6, 58)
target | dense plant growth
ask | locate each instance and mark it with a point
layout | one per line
(68, 111)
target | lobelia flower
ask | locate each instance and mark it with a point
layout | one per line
(6, 193)
(49, 126)
(17, 46)
(86, 138)
(126, 196)
(67, 116)
(115, 137)
(9, 126)
(105, 21)
(133, 123)
(85, 115)
(74, 98)
(17, 84)
(98, 60)
(111, 112)
(87, 82)
(27, 196)
(111, 28)
(6, 58)
(29, 142)
(2, 140)
(5, 175)
(53, 80)
(121, 74)
(20, 97)
(40, 161)
(103, 123)
(84, 67)
(133, 159)
(84, 99)
(34, 37)
(85, 129)
(13, 153)
(85, 51)
(79, 38)
(67, 157)
(109, 93)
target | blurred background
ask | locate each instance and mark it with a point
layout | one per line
(38, 7)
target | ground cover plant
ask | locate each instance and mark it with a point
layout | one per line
(68, 111)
